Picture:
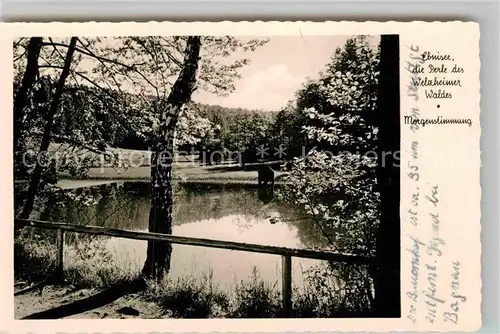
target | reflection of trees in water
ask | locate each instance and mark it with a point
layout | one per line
(126, 206)
(308, 231)
(202, 202)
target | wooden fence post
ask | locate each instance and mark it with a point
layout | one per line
(60, 252)
(286, 283)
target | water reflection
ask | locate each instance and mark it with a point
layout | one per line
(231, 213)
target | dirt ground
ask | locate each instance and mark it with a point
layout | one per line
(126, 307)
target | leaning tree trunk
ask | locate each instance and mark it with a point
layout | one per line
(387, 276)
(160, 216)
(20, 101)
(21, 98)
(49, 122)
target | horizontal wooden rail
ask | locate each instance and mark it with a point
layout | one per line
(97, 230)
(286, 253)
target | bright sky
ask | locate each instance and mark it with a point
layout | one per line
(277, 70)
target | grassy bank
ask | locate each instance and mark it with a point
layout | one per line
(181, 173)
(186, 297)
(186, 168)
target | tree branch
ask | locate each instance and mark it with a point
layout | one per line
(89, 53)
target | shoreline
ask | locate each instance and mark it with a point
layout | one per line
(68, 183)
(218, 175)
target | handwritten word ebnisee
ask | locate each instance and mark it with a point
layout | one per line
(430, 74)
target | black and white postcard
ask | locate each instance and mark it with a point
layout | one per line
(265, 176)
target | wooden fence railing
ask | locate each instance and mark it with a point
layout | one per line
(285, 253)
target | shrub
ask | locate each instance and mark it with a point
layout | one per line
(189, 297)
(256, 298)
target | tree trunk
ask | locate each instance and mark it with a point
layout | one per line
(21, 98)
(388, 244)
(20, 101)
(160, 216)
(44, 145)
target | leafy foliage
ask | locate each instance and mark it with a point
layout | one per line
(338, 187)
(343, 114)
(336, 181)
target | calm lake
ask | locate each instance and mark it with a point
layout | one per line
(229, 212)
